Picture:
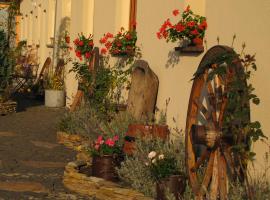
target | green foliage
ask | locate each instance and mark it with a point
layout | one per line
(135, 170)
(238, 69)
(83, 121)
(163, 167)
(6, 61)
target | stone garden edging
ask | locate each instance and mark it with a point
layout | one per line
(96, 187)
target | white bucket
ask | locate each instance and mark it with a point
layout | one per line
(55, 98)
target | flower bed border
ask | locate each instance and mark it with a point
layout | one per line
(96, 187)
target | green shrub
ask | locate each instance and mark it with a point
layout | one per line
(135, 170)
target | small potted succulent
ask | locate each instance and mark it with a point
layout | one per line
(169, 178)
(106, 153)
(189, 30)
(121, 44)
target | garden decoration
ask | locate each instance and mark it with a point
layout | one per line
(218, 127)
(106, 157)
(189, 31)
(143, 90)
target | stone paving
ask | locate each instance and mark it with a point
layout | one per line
(31, 161)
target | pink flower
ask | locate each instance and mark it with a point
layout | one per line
(110, 142)
(116, 138)
(176, 12)
(99, 140)
(96, 146)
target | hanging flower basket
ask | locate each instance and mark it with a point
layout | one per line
(121, 44)
(189, 31)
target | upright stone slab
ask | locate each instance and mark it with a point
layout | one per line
(143, 91)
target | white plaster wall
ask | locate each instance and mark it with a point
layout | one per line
(249, 20)
(82, 13)
(174, 79)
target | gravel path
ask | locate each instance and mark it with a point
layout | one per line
(31, 161)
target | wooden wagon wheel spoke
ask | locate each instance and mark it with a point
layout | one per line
(205, 155)
(207, 175)
(208, 156)
(222, 181)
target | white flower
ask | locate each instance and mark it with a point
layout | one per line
(161, 157)
(154, 160)
(146, 164)
(152, 154)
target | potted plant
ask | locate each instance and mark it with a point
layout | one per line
(55, 90)
(169, 178)
(123, 43)
(189, 30)
(106, 152)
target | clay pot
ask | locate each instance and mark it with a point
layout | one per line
(175, 184)
(104, 167)
(141, 130)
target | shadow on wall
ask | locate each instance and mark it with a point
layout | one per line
(174, 57)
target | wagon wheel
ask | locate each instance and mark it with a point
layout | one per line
(209, 158)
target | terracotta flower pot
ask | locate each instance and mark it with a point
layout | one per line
(104, 167)
(135, 130)
(175, 184)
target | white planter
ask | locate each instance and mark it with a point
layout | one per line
(55, 98)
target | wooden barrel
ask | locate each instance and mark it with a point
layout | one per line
(141, 130)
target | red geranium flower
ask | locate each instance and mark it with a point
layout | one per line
(103, 40)
(103, 51)
(91, 43)
(175, 12)
(78, 54)
(81, 43)
(194, 32)
(76, 41)
(109, 35)
(108, 45)
(159, 36)
(128, 36)
(197, 40)
(180, 27)
(67, 38)
(87, 55)
(191, 24)
(204, 24)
